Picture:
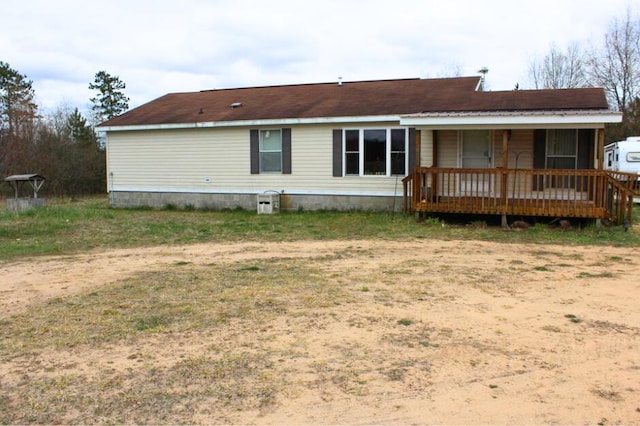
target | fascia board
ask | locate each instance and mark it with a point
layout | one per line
(512, 121)
(254, 123)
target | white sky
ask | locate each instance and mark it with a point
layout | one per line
(162, 46)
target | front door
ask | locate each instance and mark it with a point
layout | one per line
(475, 153)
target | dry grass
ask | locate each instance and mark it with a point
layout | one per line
(221, 341)
(184, 302)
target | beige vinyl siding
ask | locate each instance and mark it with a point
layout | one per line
(448, 148)
(181, 160)
(496, 148)
(426, 148)
(521, 145)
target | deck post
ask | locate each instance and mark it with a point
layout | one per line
(506, 135)
(504, 181)
(600, 150)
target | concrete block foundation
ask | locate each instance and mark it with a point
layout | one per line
(288, 202)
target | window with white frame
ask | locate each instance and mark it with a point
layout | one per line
(562, 148)
(375, 152)
(270, 151)
(352, 152)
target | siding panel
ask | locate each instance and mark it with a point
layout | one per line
(219, 160)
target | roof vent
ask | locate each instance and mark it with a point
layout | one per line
(236, 105)
(339, 81)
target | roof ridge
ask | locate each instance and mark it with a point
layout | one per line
(330, 83)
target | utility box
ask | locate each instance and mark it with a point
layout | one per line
(268, 203)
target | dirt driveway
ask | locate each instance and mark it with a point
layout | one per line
(448, 332)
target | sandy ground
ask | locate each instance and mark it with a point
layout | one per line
(491, 343)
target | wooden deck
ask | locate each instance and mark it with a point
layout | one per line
(596, 194)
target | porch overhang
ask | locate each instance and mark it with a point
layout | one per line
(591, 119)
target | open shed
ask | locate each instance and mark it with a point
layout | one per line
(19, 204)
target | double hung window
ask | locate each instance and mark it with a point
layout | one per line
(562, 148)
(270, 151)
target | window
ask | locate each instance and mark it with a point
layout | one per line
(270, 151)
(398, 152)
(352, 152)
(633, 157)
(562, 148)
(375, 152)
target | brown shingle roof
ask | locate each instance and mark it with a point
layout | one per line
(365, 98)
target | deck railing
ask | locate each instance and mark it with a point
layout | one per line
(524, 192)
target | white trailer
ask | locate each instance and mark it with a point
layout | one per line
(623, 156)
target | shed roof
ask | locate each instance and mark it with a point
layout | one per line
(352, 99)
(23, 178)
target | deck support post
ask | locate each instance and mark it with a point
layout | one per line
(600, 149)
(506, 135)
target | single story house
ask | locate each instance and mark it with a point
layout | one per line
(425, 145)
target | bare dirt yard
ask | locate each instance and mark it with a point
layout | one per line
(372, 332)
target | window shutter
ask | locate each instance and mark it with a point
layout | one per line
(586, 140)
(286, 151)
(254, 151)
(412, 149)
(539, 152)
(337, 152)
(539, 148)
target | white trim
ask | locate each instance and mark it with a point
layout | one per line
(495, 120)
(244, 123)
(361, 149)
(509, 120)
(116, 189)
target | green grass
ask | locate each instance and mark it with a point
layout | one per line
(71, 227)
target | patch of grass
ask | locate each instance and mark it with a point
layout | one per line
(541, 268)
(608, 394)
(573, 318)
(605, 274)
(160, 307)
(251, 268)
(151, 322)
(178, 300)
(405, 321)
(65, 227)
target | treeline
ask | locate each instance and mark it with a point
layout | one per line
(614, 65)
(62, 146)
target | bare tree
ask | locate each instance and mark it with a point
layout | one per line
(560, 70)
(616, 65)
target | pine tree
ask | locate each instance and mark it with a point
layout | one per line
(16, 98)
(110, 100)
(18, 114)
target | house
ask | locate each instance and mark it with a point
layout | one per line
(425, 145)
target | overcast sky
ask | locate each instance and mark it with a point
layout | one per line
(162, 46)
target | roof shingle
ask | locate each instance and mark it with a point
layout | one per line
(351, 99)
